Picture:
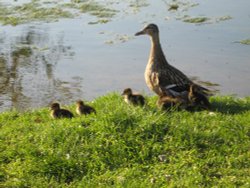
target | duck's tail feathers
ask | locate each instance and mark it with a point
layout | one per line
(195, 88)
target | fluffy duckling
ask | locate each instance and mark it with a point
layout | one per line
(57, 112)
(82, 108)
(130, 98)
(167, 102)
(197, 99)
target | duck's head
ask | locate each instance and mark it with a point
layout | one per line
(55, 106)
(79, 103)
(127, 91)
(150, 29)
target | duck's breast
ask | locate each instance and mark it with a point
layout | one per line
(148, 76)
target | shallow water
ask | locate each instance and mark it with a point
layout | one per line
(75, 58)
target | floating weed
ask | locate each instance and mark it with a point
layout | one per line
(223, 18)
(119, 38)
(202, 20)
(180, 5)
(52, 11)
(32, 11)
(137, 5)
(97, 10)
(195, 20)
(173, 7)
(100, 21)
(246, 41)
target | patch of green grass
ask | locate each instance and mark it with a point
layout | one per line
(126, 146)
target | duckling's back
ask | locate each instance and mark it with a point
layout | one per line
(61, 113)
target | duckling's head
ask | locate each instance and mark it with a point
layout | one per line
(79, 103)
(55, 106)
(193, 89)
(127, 91)
(150, 29)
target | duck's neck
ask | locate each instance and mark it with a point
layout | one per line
(156, 52)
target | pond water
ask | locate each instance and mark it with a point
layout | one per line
(86, 55)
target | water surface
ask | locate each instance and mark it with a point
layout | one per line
(87, 56)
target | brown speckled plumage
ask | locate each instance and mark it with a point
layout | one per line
(83, 109)
(57, 112)
(198, 99)
(167, 102)
(159, 74)
(130, 98)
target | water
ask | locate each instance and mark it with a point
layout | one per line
(71, 59)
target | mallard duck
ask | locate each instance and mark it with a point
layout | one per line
(130, 98)
(82, 108)
(167, 102)
(57, 112)
(197, 99)
(160, 76)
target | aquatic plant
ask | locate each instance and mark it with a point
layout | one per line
(51, 11)
(246, 41)
(195, 19)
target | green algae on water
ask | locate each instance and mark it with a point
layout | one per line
(173, 7)
(29, 12)
(196, 20)
(180, 5)
(97, 10)
(246, 41)
(223, 18)
(50, 11)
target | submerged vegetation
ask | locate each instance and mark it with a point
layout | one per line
(125, 146)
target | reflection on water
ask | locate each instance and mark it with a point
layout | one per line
(72, 59)
(27, 64)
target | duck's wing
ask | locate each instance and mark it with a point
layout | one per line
(172, 76)
(173, 80)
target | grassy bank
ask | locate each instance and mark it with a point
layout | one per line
(124, 146)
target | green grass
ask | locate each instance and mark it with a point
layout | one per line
(126, 146)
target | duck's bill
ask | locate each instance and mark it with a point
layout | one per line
(139, 33)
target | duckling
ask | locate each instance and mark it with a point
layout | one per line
(197, 99)
(82, 108)
(130, 98)
(158, 68)
(167, 102)
(57, 112)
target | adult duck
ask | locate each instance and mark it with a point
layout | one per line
(160, 76)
